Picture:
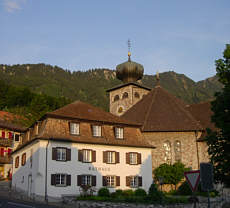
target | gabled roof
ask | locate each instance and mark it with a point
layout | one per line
(129, 83)
(203, 113)
(7, 121)
(161, 111)
(85, 111)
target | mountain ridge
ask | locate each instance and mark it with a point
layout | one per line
(91, 85)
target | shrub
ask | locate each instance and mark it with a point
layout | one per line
(103, 192)
(128, 193)
(119, 193)
(154, 194)
(184, 189)
(140, 192)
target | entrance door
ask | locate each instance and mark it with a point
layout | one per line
(29, 185)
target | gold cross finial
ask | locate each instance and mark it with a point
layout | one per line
(129, 47)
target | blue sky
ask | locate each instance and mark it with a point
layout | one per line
(184, 36)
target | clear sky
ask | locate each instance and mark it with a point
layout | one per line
(180, 35)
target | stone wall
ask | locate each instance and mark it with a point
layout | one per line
(128, 102)
(190, 149)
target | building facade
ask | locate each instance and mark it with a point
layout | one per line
(10, 138)
(80, 145)
(166, 121)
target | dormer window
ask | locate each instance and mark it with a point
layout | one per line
(96, 130)
(74, 128)
(119, 133)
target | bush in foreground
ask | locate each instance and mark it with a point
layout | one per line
(103, 192)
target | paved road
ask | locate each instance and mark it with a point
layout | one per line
(6, 203)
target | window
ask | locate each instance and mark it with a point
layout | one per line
(116, 98)
(96, 130)
(111, 181)
(16, 138)
(167, 152)
(60, 179)
(134, 181)
(23, 159)
(87, 155)
(133, 158)
(74, 128)
(17, 162)
(136, 95)
(177, 149)
(125, 95)
(111, 157)
(61, 154)
(119, 133)
(86, 180)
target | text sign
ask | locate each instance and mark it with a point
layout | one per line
(193, 178)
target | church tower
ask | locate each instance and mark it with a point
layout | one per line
(124, 96)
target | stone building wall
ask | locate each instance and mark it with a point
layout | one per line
(189, 148)
(125, 103)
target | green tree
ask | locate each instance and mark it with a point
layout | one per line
(171, 174)
(219, 141)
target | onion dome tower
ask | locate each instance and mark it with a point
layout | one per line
(124, 96)
(129, 71)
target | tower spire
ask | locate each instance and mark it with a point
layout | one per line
(129, 47)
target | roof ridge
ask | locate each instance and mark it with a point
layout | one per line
(150, 107)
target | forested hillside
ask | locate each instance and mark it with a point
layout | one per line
(46, 82)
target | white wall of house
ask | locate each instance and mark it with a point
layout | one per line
(75, 167)
(25, 177)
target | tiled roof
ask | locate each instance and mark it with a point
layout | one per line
(203, 113)
(85, 111)
(11, 126)
(129, 83)
(161, 111)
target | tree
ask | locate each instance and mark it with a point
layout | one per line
(219, 140)
(171, 174)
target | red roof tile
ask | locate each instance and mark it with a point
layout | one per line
(161, 111)
(85, 111)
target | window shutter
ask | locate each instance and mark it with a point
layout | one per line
(139, 181)
(105, 157)
(117, 180)
(127, 181)
(93, 156)
(104, 181)
(53, 179)
(80, 155)
(54, 153)
(3, 134)
(68, 154)
(94, 180)
(79, 180)
(9, 151)
(127, 158)
(139, 158)
(117, 157)
(10, 135)
(68, 180)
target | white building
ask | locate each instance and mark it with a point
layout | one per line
(77, 145)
